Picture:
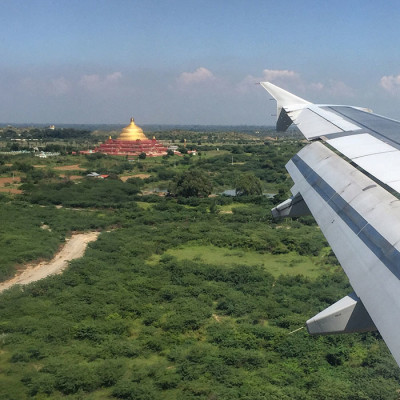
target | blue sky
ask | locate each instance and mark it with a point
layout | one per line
(192, 62)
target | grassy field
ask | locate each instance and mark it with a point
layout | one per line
(227, 208)
(281, 264)
(143, 205)
(179, 298)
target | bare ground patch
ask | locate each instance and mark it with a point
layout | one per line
(74, 248)
(10, 185)
(10, 190)
(72, 177)
(141, 176)
(16, 179)
(74, 167)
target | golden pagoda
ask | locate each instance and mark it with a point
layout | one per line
(131, 142)
(132, 132)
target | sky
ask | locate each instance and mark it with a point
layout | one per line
(193, 61)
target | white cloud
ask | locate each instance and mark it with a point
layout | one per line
(58, 86)
(90, 82)
(339, 89)
(278, 76)
(272, 75)
(200, 75)
(97, 82)
(390, 83)
(49, 86)
(115, 76)
(29, 85)
(247, 84)
(294, 82)
(317, 86)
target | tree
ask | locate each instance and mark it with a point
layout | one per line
(15, 147)
(192, 184)
(142, 156)
(248, 184)
(182, 150)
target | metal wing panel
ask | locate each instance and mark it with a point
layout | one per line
(312, 124)
(382, 128)
(384, 166)
(360, 145)
(346, 205)
(374, 156)
(323, 116)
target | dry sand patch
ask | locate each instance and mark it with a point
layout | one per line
(74, 248)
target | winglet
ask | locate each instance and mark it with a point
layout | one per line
(284, 99)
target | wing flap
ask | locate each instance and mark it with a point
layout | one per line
(356, 146)
(312, 123)
(378, 158)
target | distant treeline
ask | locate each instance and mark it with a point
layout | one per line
(46, 133)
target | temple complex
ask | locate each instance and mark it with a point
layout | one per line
(132, 142)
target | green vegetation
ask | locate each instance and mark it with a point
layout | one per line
(192, 184)
(275, 264)
(87, 193)
(180, 297)
(29, 232)
(248, 185)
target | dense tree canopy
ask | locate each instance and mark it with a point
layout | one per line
(192, 183)
(248, 185)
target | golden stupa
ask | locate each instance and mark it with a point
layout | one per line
(132, 132)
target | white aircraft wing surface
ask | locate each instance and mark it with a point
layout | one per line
(353, 194)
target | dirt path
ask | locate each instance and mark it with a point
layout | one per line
(16, 179)
(74, 248)
(74, 167)
(141, 176)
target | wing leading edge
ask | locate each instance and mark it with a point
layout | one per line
(355, 212)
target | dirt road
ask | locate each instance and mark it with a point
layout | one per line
(74, 248)
(74, 167)
(141, 176)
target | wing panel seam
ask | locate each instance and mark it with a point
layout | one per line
(373, 154)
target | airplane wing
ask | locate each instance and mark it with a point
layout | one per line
(348, 178)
